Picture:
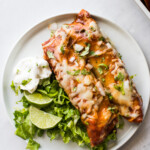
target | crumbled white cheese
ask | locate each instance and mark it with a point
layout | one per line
(78, 47)
(29, 71)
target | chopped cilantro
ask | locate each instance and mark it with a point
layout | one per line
(17, 71)
(16, 90)
(95, 88)
(74, 89)
(25, 82)
(62, 49)
(77, 72)
(103, 59)
(86, 32)
(84, 72)
(103, 79)
(120, 122)
(50, 54)
(109, 96)
(113, 109)
(104, 65)
(102, 39)
(52, 33)
(29, 70)
(131, 77)
(91, 52)
(93, 29)
(74, 72)
(120, 88)
(86, 51)
(100, 70)
(120, 77)
(119, 55)
(44, 66)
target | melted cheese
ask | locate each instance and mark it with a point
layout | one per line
(119, 98)
(100, 88)
(84, 92)
(63, 36)
(78, 47)
(118, 64)
(88, 79)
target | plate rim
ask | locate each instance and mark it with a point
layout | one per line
(74, 14)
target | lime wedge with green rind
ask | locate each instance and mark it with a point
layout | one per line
(37, 99)
(42, 119)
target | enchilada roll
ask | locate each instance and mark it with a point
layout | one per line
(74, 75)
(109, 69)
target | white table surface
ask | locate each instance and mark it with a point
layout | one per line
(16, 16)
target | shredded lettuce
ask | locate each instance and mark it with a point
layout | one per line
(24, 102)
(120, 123)
(25, 129)
(14, 88)
(32, 145)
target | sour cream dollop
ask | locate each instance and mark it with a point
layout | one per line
(29, 71)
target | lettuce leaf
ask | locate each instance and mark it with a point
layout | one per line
(32, 145)
(25, 129)
(24, 101)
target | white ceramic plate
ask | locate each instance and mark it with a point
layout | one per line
(30, 45)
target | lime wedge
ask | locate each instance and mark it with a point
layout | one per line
(37, 99)
(42, 119)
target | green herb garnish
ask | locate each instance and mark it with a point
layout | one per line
(102, 39)
(120, 88)
(86, 51)
(103, 79)
(109, 96)
(62, 49)
(91, 53)
(119, 55)
(52, 33)
(29, 70)
(120, 77)
(50, 54)
(17, 71)
(104, 65)
(120, 122)
(113, 109)
(93, 29)
(100, 70)
(15, 89)
(74, 72)
(85, 72)
(74, 89)
(25, 82)
(103, 59)
(131, 77)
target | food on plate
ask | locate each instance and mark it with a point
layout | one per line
(146, 3)
(29, 71)
(42, 119)
(37, 99)
(79, 91)
(85, 39)
(74, 75)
